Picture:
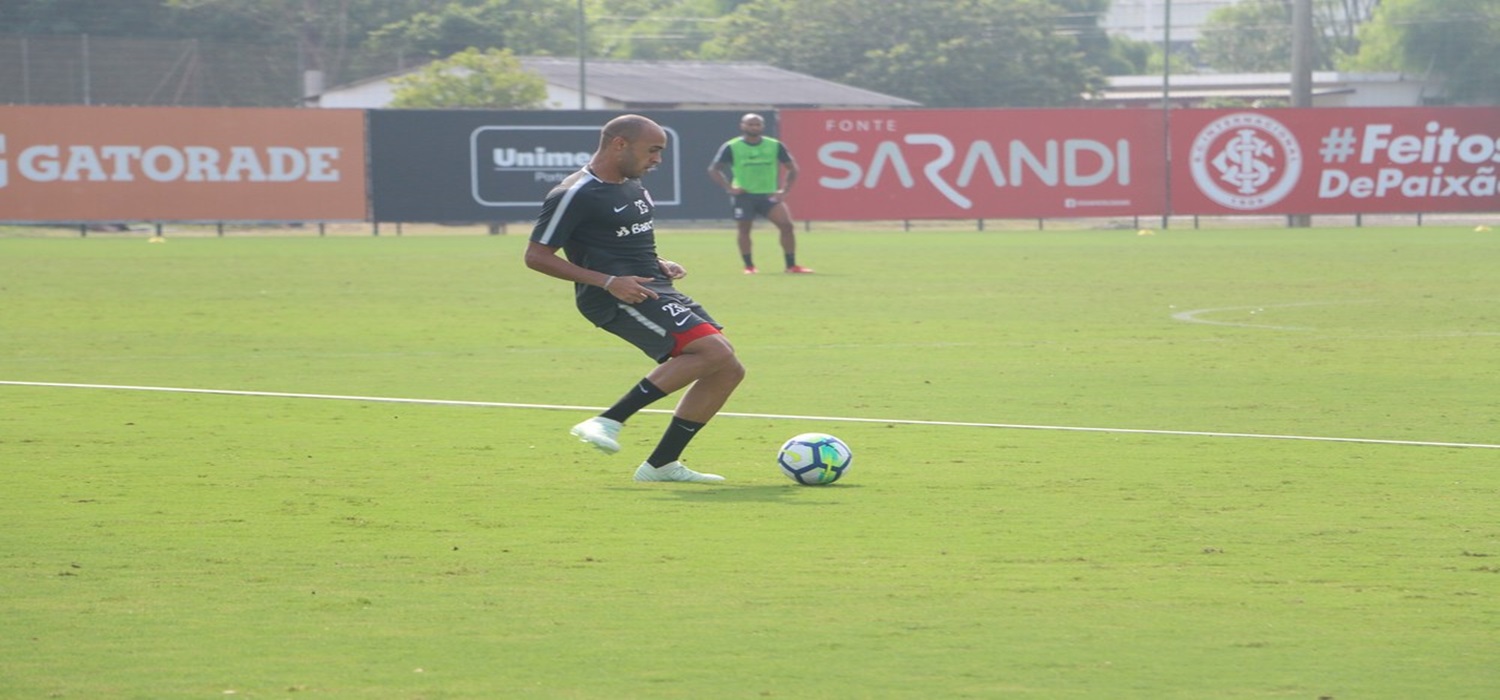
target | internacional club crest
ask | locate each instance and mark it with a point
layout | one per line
(1245, 161)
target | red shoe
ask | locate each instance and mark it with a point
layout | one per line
(799, 270)
(750, 270)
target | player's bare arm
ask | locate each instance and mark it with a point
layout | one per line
(716, 173)
(626, 288)
(671, 269)
(789, 178)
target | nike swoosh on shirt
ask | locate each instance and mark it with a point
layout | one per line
(621, 208)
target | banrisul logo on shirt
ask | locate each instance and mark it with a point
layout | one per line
(518, 165)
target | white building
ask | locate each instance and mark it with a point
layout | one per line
(1329, 89)
(1143, 20)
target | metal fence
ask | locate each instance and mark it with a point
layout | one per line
(89, 70)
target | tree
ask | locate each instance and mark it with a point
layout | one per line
(1111, 56)
(1452, 39)
(133, 18)
(1255, 36)
(324, 32)
(1132, 57)
(1156, 62)
(654, 29)
(961, 53)
(526, 27)
(490, 79)
(1337, 24)
(638, 29)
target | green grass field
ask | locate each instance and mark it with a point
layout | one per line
(194, 545)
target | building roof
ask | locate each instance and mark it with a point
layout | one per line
(620, 84)
(667, 84)
(1329, 89)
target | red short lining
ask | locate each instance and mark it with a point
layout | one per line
(681, 340)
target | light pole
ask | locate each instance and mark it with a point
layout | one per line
(583, 60)
(1166, 111)
(1302, 60)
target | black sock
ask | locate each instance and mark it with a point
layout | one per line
(791, 260)
(639, 397)
(674, 441)
(747, 260)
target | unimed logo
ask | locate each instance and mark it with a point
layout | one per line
(518, 165)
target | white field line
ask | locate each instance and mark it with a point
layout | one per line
(784, 416)
(1196, 316)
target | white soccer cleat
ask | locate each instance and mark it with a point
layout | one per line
(673, 472)
(603, 433)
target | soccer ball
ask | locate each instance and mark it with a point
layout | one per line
(814, 459)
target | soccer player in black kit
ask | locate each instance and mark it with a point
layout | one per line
(600, 218)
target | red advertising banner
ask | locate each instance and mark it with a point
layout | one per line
(181, 164)
(967, 164)
(1335, 161)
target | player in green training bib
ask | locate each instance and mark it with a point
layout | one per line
(756, 164)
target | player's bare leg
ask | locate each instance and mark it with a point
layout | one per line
(711, 367)
(743, 239)
(710, 371)
(781, 216)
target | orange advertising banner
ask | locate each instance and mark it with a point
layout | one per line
(77, 164)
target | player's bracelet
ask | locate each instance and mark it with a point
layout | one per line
(606, 282)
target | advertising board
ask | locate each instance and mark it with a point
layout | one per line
(970, 163)
(83, 164)
(478, 166)
(80, 164)
(1335, 161)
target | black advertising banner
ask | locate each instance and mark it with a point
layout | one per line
(484, 166)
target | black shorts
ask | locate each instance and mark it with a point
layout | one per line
(748, 206)
(660, 327)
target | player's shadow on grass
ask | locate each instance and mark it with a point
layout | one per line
(790, 494)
